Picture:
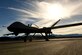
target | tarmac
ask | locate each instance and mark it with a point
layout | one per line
(61, 46)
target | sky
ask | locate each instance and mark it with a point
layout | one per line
(43, 13)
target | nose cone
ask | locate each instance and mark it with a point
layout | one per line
(16, 25)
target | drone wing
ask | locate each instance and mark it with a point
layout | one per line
(63, 26)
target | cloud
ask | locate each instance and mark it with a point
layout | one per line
(20, 10)
(73, 7)
(3, 31)
(35, 14)
(72, 19)
(69, 30)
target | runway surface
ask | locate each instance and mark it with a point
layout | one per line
(61, 46)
